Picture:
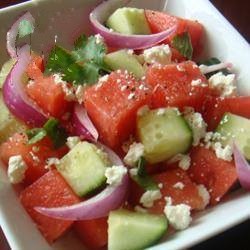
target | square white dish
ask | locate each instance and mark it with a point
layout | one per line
(68, 19)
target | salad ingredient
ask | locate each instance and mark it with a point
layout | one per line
(115, 174)
(142, 230)
(188, 194)
(135, 152)
(179, 216)
(235, 128)
(72, 141)
(210, 70)
(147, 199)
(14, 94)
(183, 44)
(111, 198)
(129, 21)
(164, 133)
(215, 107)
(16, 169)
(51, 190)
(242, 167)
(93, 233)
(173, 85)
(49, 95)
(224, 153)
(82, 125)
(5, 70)
(158, 54)
(203, 192)
(84, 168)
(159, 21)
(113, 39)
(35, 68)
(35, 155)
(112, 106)
(124, 60)
(8, 123)
(217, 175)
(19, 28)
(183, 160)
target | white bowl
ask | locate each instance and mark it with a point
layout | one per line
(68, 19)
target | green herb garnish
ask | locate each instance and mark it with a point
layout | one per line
(52, 129)
(182, 43)
(142, 178)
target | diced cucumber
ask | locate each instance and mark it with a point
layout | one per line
(129, 21)
(6, 70)
(121, 59)
(84, 168)
(134, 230)
(8, 123)
(235, 128)
(164, 133)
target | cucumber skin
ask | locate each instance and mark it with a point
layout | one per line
(127, 213)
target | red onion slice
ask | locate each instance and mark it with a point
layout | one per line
(13, 32)
(14, 95)
(208, 69)
(99, 206)
(101, 13)
(242, 167)
(82, 124)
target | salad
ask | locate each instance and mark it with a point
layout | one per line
(126, 136)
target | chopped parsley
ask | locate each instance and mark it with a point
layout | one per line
(52, 129)
(182, 42)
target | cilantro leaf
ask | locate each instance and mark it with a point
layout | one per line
(182, 43)
(35, 135)
(213, 61)
(57, 134)
(25, 28)
(142, 178)
(51, 129)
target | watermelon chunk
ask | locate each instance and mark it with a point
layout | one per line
(113, 104)
(50, 190)
(217, 175)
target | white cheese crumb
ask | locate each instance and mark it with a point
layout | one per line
(160, 185)
(223, 153)
(99, 39)
(224, 83)
(179, 185)
(148, 198)
(72, 141)
(204, 194)
(115, 174)
(158, 54)
(16, 169)
(52, 162)
(184, 161)
(101, 81)
(198, 126)
(140, 209)
(135, 152)
(131, 96)
(179, 216)
(196, 82)
(161, 111)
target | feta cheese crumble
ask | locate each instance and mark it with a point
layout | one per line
(16, 169)
(223, 83)
(148, 198)
(53, 161)
(179, 216)
(72, 141)
(198, 126)
(158, 54)
(179, 185)
(223, 153)
(184, 161)
(99, 39)
(140, 209)
(115, 174)
(135, 152)
(204, 194)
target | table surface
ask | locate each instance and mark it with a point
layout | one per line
(238, 237)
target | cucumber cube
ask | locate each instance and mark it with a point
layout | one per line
(121, 59)
(129, 21)
(84, 168)
(133, 230)
(164, 133)
(235, 128)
